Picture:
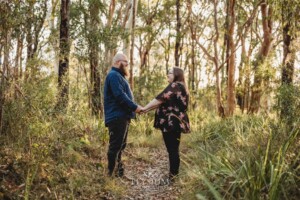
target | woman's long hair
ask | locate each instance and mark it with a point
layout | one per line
(179, 76)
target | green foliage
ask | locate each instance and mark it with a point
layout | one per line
(243, 158)
(40, 140)
(149, 86)
(289, 104)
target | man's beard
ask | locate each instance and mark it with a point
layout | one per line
(124, 70)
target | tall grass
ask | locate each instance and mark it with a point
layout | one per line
(49, 151)
(244, 157)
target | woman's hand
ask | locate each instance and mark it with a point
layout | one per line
(143, 111)
(151, 105)
(139, 109)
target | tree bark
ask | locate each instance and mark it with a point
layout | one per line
(34, 26)
(95, 79)
(131, 79)
(231, 61)
(64, 46)
(288, 53)
(214, 59)
(256, 90)
(178, 34)
(220, 107)
(109, 52)
(193, 38)
(4, 74)
(288, 62)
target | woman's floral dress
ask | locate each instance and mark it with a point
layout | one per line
(171, 115)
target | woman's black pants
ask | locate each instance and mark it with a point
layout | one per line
(172, 141)
(118, 130)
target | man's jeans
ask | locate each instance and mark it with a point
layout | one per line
(118, 130)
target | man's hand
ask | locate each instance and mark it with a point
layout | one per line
(139, 109)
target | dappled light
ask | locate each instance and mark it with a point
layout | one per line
(140, 99)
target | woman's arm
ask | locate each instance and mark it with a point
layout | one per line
(152, 105)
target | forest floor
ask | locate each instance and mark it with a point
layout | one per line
(79, 173)
(145, 175)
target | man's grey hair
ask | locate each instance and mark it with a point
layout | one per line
(119, 56)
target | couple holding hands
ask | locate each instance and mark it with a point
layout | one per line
(119, 108)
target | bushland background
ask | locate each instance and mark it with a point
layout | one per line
(241, 60)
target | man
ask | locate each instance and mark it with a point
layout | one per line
(119, 108)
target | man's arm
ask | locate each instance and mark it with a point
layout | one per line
(119, 93)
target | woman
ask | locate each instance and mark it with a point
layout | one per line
(171, 117)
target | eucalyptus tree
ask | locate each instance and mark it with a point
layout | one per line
(289, 14)
(97, 29)
(64, 47)
(178, 33)
(12, 32)
(212, 35)
(231, 58)
(151, 25)
(36, 12)
(247, 14)
(261, 56)
(93, 41)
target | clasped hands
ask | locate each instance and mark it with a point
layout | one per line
(140, 110)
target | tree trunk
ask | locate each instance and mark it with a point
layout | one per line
(214, 59)
(193, 38)
(18, 58)
(29, 37)
(231, 63)
(288, 54)
(131, 79)
(94, 60)
(4, 74)
(64, 46)
(109, 52)
(287, 63)
(33, 28)
(261, 57)
(220, 107)
(167, 49)
(129, 46)
(178, 33)
(226, 41)
(242, 76)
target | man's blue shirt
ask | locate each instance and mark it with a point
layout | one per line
(118, 98)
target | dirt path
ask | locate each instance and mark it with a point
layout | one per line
(145, 178)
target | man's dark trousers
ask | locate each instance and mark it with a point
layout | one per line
(118, 130)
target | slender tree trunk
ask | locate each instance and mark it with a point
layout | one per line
(241, 94)
(63, 69)
(193, 38)
(94, 59)
(33, 29)
(20, 75)
(288, 62)
(214, 59)
(261, 57)
(178, 33)
(220, 107)
(109, 52)
(231, 63)
(2, 88)
(128, 25)
(4, 75)
(167, 50)
(227, 41)
(288, 54)
(18, 58)
(29, 37)
(131, 79)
